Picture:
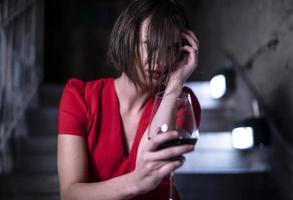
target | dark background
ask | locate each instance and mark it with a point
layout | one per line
(76, 38)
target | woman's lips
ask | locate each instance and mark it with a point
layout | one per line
(155, 74)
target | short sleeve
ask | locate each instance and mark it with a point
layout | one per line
(183, 114)
(72, 113)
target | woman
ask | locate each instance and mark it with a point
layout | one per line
(103, 148)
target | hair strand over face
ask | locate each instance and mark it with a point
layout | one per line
(167, 20)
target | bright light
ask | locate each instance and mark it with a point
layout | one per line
(218, 86)
(242, 137)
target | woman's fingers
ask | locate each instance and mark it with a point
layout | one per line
(170, 167)
(166, 153)
(159, 138)
(192, 35)
(191, 54)
(192, 41)
(171, 152)
(162, 162)
(189, 49)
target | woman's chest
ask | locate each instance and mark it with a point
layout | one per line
(112, 144)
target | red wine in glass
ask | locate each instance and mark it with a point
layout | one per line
(173, 113)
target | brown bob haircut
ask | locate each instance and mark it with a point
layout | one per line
(167, 19)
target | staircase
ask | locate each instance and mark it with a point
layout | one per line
(35, 168)
(215, 171)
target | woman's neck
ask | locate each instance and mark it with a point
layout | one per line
(131, 98)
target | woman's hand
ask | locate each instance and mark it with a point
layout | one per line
(188, 64)
(152, 165)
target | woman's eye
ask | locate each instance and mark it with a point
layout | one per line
(175, 46)
(146, 43)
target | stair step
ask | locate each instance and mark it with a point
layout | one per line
(50, 94)
(36, 145)
(217, 119)
(225, 161)
(37, 185)
(214, 153)
(42, 121)
(248, 186)
(30, 197)
(36, 163)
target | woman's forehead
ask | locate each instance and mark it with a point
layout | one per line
(145, 34)
(144, 28)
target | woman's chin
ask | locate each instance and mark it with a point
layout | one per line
(151, 86)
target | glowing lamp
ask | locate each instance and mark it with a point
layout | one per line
(251, 133)
(242, 138)
(222, 84)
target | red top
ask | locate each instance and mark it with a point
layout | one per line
(91, 110)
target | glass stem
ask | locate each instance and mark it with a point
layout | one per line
(171, 186)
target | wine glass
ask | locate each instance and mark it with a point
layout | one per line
(173, 113)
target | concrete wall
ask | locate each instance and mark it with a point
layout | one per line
(20, 68)
(259, 35)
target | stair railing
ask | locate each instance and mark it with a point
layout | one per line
(240, 69)
(20, 71)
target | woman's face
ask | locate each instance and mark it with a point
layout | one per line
(157, 70)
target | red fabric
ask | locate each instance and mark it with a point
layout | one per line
(91, 110)
(183, 114)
